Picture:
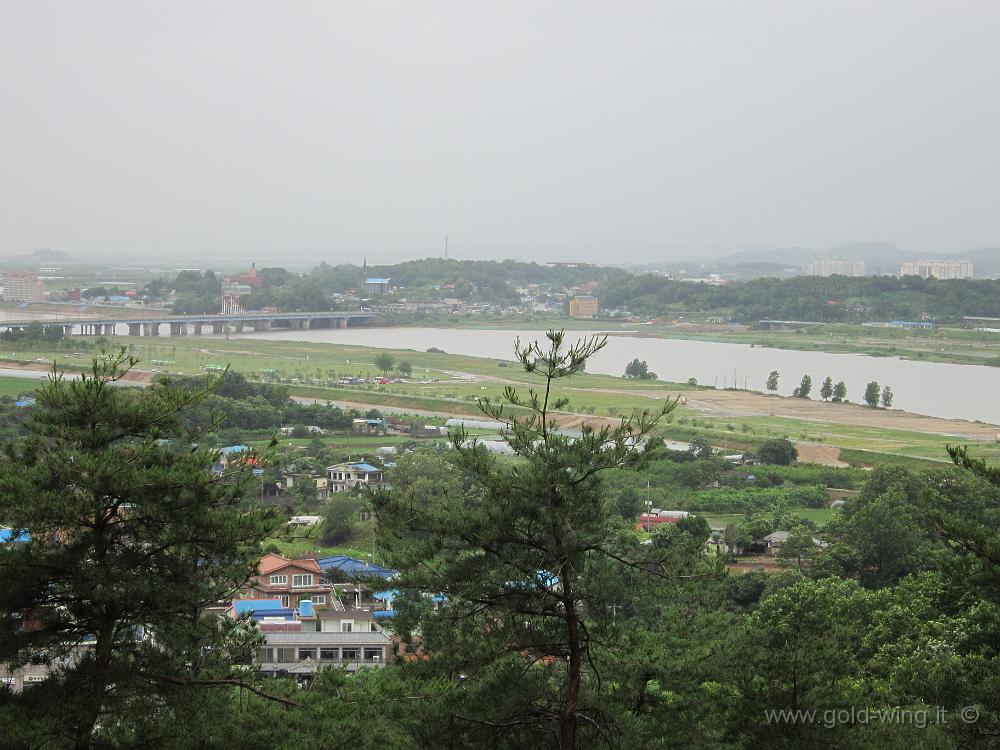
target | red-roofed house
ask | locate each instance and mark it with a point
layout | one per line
(290, 581)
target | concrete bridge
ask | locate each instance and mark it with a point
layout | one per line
(180, 325)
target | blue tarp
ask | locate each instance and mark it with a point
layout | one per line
(241, 606)
(383, 614)
(350, 566)
(236, 449)
(9, 535)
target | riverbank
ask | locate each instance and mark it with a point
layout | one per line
(948, 344)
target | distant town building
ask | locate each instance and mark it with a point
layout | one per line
(835, 267)
(938, 269)
(376, 287)
(22, 286)
(583, 307)
(250, 279)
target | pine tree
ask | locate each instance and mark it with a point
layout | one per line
(131, 536)
(528, 559)
(772, 380)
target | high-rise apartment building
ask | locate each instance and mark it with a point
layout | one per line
(938, 269)
(835, 267)
(22, 286)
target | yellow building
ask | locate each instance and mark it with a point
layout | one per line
(583, 307)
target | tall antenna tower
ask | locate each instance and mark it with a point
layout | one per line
(446, 248)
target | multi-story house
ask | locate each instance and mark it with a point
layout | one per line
(300, 641)
(291, 582)
(346, 477)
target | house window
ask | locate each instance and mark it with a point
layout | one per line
(374, 628)
(303, 579)
(284, 600)
(346, 626)
(265, 655)
(328, 654)
(279, 579)
(307, 653)
(349, 654)
(373, 654)
(319, 599)
(286, 655)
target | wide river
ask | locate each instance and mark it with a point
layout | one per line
(941, 390)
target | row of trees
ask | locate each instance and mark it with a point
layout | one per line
(836, 392)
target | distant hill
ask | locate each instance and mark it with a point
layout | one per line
(48, 256)
(879, 257)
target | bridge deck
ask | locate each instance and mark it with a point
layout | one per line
(202, 319)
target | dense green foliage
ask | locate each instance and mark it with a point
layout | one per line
(131, 537)
(197, 293)
(777, 451)
(811, 298)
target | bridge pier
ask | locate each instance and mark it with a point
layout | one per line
(152, 329)
(197, 328)
(218, 328)
(178, 329)
(341, 322)
(238, 326)
(261, 325)
(135, 329)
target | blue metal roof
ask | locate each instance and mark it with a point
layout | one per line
(236, 449)
(350, 566)
(376, 281)
(364, 467)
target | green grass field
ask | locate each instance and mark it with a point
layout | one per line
(17, 386)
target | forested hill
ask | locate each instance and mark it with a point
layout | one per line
(828, 298)
(478, 273)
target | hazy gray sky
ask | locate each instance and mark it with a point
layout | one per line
(610, 131)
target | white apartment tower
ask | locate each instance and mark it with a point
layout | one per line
(938, 269)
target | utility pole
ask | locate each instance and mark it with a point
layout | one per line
(446, 248)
